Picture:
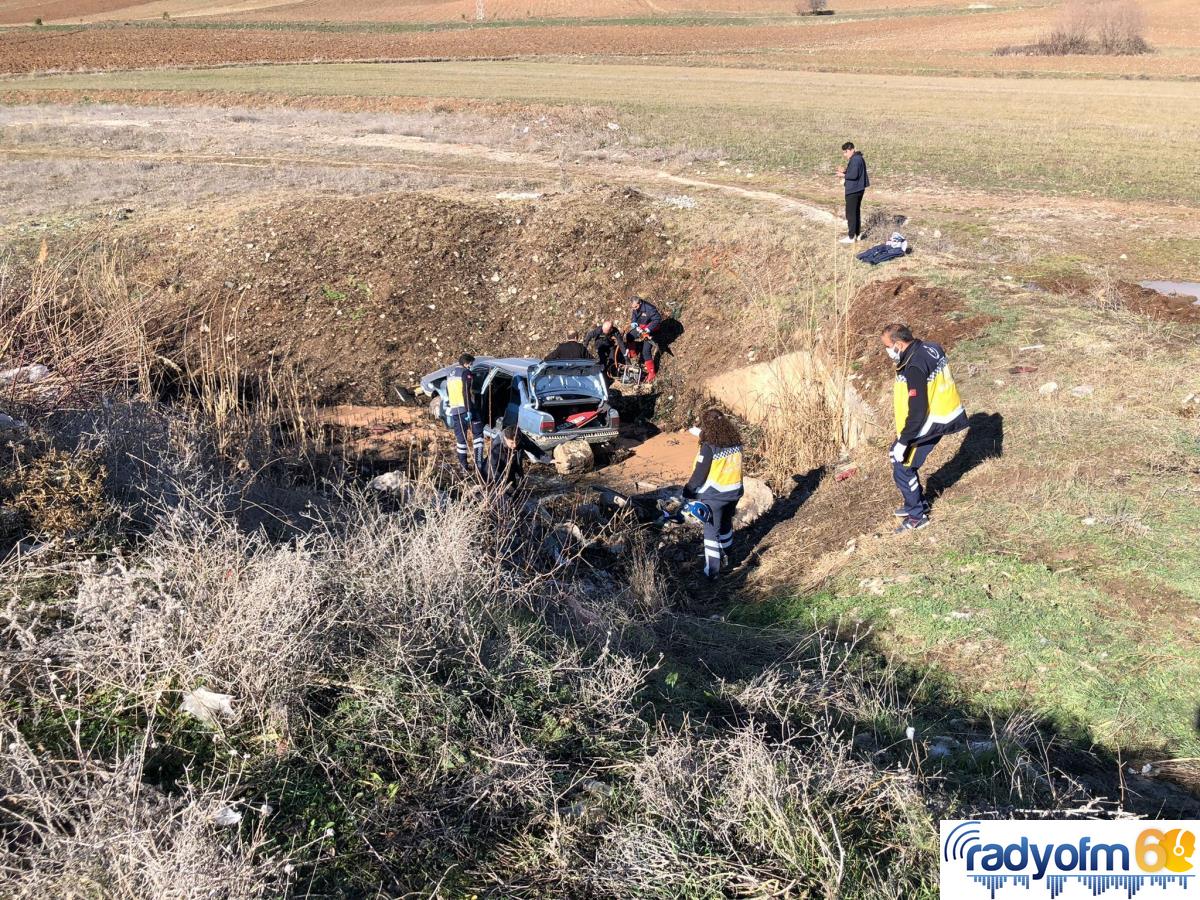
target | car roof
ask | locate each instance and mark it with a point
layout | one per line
(513, 365)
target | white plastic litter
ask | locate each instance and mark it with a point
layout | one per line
(227, 817)
(206, 705)
(24, 374)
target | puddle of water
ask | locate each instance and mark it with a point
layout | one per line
(1176, 288)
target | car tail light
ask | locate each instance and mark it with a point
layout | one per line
(547, 425)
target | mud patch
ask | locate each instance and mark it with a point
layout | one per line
(663, 460)
(380, 436)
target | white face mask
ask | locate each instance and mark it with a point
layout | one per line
(893, 352)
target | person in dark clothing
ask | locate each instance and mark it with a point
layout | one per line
(927, 408)
(609, 342)
(569, 349)
(717, 482)
(644, 319)
(461, 412)
(854, 175)
(505, 464)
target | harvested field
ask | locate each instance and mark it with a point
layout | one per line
(948, 41)
(425, 11)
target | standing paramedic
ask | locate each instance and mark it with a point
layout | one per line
(644, 319)
(717, 483)
(854, 174)
(927, 409)
(460, 410)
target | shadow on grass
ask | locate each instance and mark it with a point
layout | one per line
(983, 763)
(984, 441)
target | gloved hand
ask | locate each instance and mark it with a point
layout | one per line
(898, 451)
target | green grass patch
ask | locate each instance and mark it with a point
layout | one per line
(1013, 635)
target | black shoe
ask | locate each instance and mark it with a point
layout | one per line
(902, 512)
(911, 524)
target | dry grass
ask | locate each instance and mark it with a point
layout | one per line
(83, 828)
(71, 311)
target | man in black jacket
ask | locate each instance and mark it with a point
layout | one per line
(607, 338)
(854, 175)
(569, 349)
(505, 466)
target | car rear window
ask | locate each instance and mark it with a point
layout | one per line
(549, 385)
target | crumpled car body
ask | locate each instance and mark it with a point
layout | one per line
(545, 399)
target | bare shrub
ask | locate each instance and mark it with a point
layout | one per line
(209, 605)
(1108, 27)
(811, 7)
(77, 828)
(741, 815)
(71, 311)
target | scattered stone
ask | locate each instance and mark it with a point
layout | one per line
(872, 586)
(391, 482)
(597, 788)
(1082, 390)
(958, 614)
(573, 458)
(979, 748)
(206, 705)
(1048, 388)
(943, 747)
(757, 500)
(682, 201)
(1089, 521)
(613, 126)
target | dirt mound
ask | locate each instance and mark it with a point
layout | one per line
(931, 312)
(1134, 297)
(365, 295)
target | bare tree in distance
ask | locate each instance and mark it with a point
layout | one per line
(811, 7)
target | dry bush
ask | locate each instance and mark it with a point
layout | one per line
(209, 605)
(71, 311)
(50, 492)
(82, 829)
(744, 816)
(1108, 27)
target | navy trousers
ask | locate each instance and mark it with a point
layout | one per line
(718, 535)
(462, 423)
(908, 480)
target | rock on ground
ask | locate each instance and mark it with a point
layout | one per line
(573, 458)
(756, 500)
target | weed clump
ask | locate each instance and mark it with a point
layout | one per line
(51, 493)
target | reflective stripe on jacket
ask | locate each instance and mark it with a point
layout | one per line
(924, 396)
(717, 474)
